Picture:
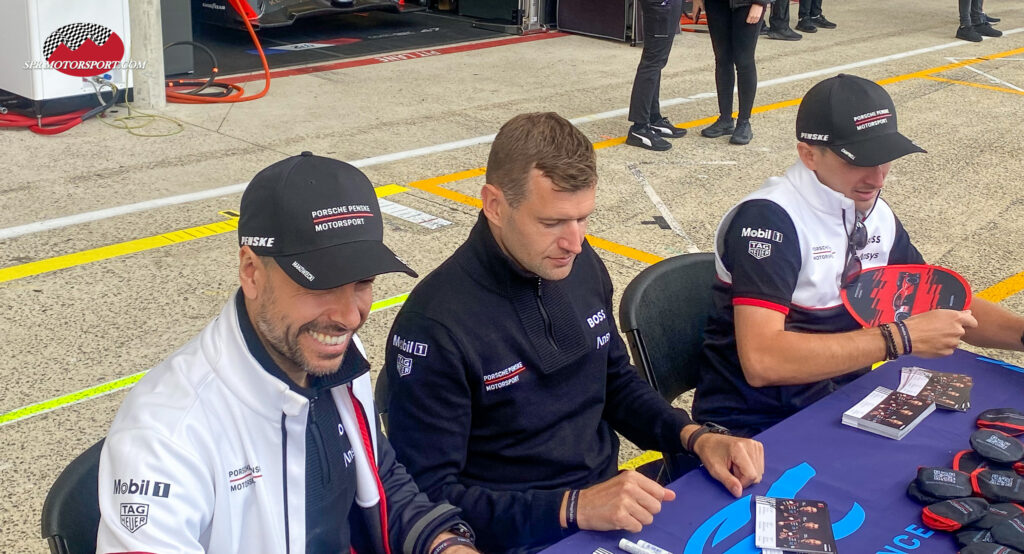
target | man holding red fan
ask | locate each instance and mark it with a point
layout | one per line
(779, 336)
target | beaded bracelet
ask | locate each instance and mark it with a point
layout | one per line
(890, 343)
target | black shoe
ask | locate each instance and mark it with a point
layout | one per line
(723, 126)
(820, 21)
(784, 34)
(665, 128)
(989, 19)
(764, 30)
(987, 30)
(743, 132)
(968, 33)
(646, 137)
(806, 25)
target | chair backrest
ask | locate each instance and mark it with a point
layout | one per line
(71, 511)
(663, 313)
(381, 397)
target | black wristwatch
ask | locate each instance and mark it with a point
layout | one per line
(460, 529)
(709, 427)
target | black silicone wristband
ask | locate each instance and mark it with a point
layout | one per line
(450, 542)
(572, 507)
(905, 335)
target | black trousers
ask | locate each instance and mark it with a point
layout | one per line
(734, 41)
(970, 13)
(809, 8)
(661, 22)
(780, 15)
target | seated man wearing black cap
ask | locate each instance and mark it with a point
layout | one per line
(779, 337)
(509, 378)
(260, 434)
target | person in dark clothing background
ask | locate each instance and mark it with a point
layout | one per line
(508, 377)
(778, 23)
(810, 17)
(734, 26)
(974, 24)
(661, 23)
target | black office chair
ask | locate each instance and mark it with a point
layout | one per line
(71, 511)
(663, 313)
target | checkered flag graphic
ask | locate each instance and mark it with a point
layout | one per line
(74, 35)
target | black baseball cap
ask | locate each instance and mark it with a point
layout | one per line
(855, 118)
(319, 219)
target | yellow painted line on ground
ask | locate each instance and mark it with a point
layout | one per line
(950, 66)
(623, 250)
(1003, 289)
(115, 250)
(97, 391)
(970, 84)
(140, 245)
(433, 186)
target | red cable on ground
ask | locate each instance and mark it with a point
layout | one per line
(60, 123)
(239, 93)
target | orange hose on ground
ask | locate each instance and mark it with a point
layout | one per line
(239, 93)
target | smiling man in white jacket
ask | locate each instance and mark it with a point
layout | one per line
(260, 434)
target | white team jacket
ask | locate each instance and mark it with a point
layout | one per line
(195, 459)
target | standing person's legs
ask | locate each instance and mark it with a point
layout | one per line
(644, 101)
(779, 20)
(744, 45)
(804, 16)
(980, 20)
(815, 8)
(720, 27)
(965, 13)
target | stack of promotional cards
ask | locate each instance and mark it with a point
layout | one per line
(888, 413)
(949, 391)
(792, 525)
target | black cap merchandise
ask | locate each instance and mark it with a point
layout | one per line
(319, 219)
(855, 118)
(1007, 420)
(951, 515)
(997, 446)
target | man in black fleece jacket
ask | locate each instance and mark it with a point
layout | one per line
(508, 377)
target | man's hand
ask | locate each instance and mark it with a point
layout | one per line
(627, 501)
(698, 6)
(754, 14)
(938, 332)
(735, 462)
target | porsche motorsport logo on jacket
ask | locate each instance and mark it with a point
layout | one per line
(503, 378)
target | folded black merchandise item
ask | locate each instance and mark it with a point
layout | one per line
(915, 494)
(1007, 420)
(999, 512)
(1010, 533)
(943, 483)
(998, 486)
(997, 446)
(968, 460)
(952, 515)
(971, 535)
(987, 548)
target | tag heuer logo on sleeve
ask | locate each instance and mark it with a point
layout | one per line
(134, 515)
(759, 249)
(404, 365)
